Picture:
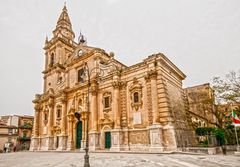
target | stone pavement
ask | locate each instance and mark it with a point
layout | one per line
(59, 159)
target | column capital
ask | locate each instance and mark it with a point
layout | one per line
(63, 98)
(123, 84)
(70, 117)
(50, 102)
(152, 74)
(116, 84)
(37, 107)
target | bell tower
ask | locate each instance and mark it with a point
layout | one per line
(58, 49)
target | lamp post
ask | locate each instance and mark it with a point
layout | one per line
(99, 72)
(86, 156)
(78, 115)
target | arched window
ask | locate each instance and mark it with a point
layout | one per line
(135, 97)
(51, 60)
(107, 100)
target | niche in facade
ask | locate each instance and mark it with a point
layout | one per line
(136, 95)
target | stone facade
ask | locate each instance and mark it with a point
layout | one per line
(140, 107)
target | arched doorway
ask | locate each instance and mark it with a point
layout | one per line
(79, 135)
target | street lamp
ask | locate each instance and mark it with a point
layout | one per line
(99, 72)
(78, 116)
(86, 156)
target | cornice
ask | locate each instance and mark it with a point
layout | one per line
(166, 62)
(54, 40)
(56, 66)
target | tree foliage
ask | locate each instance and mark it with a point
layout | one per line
(227, 98)
(227, 90)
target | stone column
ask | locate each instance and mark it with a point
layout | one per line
(115, 105)
(116, 133)
(94, 107)
(70, 145)
(49, 139)
(63, 136)
(35, 139)
(93, 134)
(64, 115)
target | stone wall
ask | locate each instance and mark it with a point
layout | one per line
(139, 140)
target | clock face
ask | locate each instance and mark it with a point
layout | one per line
(80, 52)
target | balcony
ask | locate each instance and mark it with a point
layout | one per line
(26, 126)
(23, 139)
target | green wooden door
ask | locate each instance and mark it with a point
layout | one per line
(107, 139)
(57, 142)
(79, 134)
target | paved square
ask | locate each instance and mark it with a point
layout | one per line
(58, 159)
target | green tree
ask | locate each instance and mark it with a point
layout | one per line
(227, 98)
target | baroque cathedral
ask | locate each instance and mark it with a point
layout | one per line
(140, 107)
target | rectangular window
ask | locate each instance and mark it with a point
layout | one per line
(106, 102)
(58, 113)
(45, 116)
(81, 75)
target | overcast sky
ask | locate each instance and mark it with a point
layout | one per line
(201, 37)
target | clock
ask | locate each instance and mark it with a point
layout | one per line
(80, 52)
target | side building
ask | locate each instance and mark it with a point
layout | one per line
(138, 107)
(201, 103)
(8, 136)
(16, 131)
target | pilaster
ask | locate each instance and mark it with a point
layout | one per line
(34, 143)
(115, 104)
(94, 107)
(116, 142)
(50, 117)
(64, 115)
(125, 142)
(49, 140)
(35, 140)
(70, 144)
(154, 95)
(62, 142)
(94, 141)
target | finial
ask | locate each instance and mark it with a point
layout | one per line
(65, 7)
(46, 40)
